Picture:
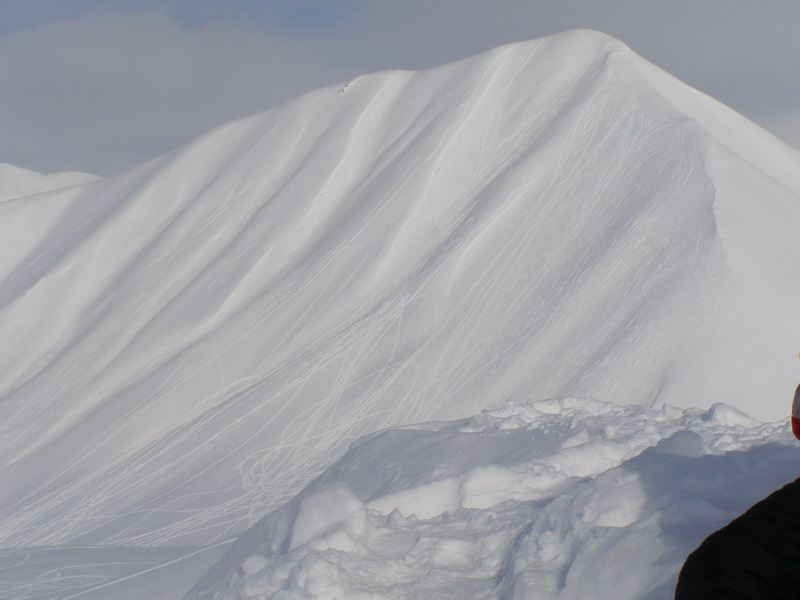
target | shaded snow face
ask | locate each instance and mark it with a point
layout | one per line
(566, 498)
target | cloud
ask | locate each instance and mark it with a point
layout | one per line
(113, 87)
(784, 124)
(107, 90)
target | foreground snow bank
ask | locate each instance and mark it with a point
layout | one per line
(569, 498)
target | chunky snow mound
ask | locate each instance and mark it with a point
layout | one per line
(19, 183)
(186, 345)
(570, 498)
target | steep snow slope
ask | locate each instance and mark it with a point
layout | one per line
(566, 499)
(188, 343)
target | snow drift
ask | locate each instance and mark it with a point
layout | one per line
(188, 343)
(566, 499)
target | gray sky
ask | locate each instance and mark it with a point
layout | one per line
(102, 85)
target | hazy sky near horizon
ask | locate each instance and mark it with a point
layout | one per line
(102, 85)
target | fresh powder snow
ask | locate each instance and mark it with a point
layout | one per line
(570, 498)
(188, 344)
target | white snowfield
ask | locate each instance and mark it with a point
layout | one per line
(188, 344)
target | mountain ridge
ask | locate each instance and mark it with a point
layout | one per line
(17, 183)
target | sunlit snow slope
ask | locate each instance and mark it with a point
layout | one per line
(186, 344)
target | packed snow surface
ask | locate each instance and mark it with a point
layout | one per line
(186, 345)
(569, 498)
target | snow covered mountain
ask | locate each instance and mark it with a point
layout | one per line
(16, 182)
(189, 343)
